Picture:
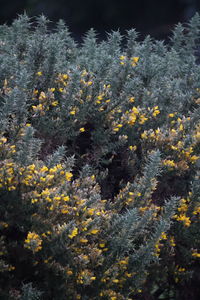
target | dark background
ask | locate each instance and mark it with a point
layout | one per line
(154, 17)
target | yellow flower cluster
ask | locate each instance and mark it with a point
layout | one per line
(65, 205)
(197, 210)
(102, 99)
(6, 148)
(127, 196)
(159, 244)
(133, 60)
(156, 111)
(73, 233)
(45, 101)
(33, 242)
(178, 273)
(133, 116)
(182, 218)
(138, 114)
(85, 277)
(196, 254)
(8, 176)
(152, 135)
(182, 209)
(169, 163)
(181, 154)
(62, 81)
(172, 241)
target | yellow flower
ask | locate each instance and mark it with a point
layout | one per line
(181, 127)
(196, 210)
(163, 236)
(83, 240)
(43, 179)
(143, 119)
(169, 163)
(132, 148)
(73, 233)
(68, 176)
(69, 272)
(100, 97)
(116, 129)
(3, 140)
(181, 269)
(44, 169)
(54, 103)
(90, 211)
(144, 135)
(182, 218)
(35, 92)
(33, 242)
(135, 110)
(172, 242)
(5, 225)
(65, 76)
(38, 107)
(52, 90)
(64, 211)
(45, 192)
(94, 231)
(123, 262)
(115, 280)
(82, 129)
(194, 158)
(135, 59)
(132, 99)
(72, 112)
(128, 274)
(195, 254)
(122, 57)
(39, 73)
(156, 112)
(42, 96)
(93, 278)
(66, 198)
(93, 177)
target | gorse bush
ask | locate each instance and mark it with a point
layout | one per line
(100, 168)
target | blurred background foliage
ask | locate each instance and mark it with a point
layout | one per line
(153, 17)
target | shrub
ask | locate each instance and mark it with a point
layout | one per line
(99, 155)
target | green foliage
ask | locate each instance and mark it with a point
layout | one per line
(99, 164)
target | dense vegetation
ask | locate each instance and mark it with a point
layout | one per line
(99, 164)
